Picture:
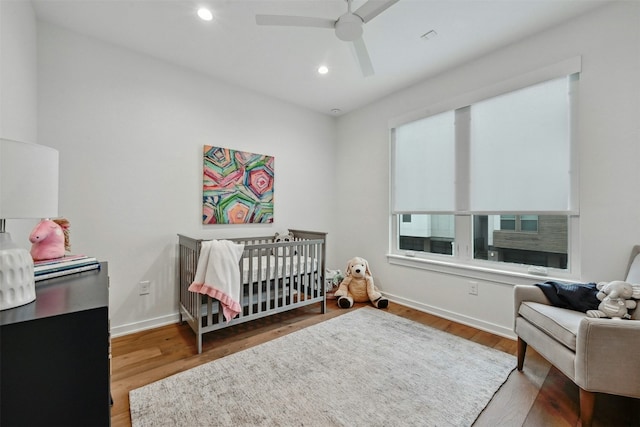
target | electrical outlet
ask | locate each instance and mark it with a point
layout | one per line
(473, 288)
(144, 287)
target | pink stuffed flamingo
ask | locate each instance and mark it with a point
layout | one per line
(50, 239)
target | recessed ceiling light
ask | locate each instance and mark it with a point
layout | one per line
(323, 69)
(205, 14)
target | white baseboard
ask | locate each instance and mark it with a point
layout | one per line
(118, 331)
(455, 317)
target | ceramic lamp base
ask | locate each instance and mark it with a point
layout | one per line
(17, 284)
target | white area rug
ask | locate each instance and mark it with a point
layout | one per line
(364, 368)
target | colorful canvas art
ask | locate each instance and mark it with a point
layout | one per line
(237, 187)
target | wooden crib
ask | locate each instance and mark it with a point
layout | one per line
(274, 277)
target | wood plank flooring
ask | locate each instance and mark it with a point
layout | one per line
(538, 396)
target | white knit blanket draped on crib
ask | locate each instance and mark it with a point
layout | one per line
(218, 276)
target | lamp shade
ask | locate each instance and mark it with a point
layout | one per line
(28, 180)
(28, 189)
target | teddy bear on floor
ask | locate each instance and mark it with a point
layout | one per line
(616, 299)
(358, 286)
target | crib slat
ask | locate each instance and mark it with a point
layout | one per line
(266, 281)
(209, 312)
(263, 265)
(305, 279)
(250, 279)
(244, 288)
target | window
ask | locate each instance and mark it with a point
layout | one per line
(540, 240)
(427, 233)
(529, 223)
(489, 181)
(507, 222)
(519, 222)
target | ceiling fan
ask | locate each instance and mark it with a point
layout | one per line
(348, 27)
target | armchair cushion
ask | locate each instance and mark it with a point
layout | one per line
(560, 323)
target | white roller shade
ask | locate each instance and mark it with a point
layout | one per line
(520, 150)
(424, 165)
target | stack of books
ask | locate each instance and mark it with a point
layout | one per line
(68, 264)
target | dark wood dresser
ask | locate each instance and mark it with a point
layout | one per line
(54, 354)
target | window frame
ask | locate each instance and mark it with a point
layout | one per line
(462, 256)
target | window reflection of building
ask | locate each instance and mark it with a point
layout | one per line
(540, 240)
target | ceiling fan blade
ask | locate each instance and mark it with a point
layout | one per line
(294, 21)
(373, 8)
(363, 57)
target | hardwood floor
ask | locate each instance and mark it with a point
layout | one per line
(538, 396)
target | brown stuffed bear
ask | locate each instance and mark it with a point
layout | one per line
(358, 286)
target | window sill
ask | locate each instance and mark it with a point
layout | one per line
(474, 271)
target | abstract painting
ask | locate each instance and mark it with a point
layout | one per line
(237, 187)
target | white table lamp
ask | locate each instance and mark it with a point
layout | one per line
(28, 189)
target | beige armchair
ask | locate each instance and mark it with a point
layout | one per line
(599, 355)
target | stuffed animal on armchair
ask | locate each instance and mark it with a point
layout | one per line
(358, 286)
(49, 239)
(616, 299)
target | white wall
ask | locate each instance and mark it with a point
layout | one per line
(18, 84)
(130, 130)
(609, 139)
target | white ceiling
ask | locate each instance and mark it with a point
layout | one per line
(282, 61)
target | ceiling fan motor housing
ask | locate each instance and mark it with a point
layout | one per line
(349, 27)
